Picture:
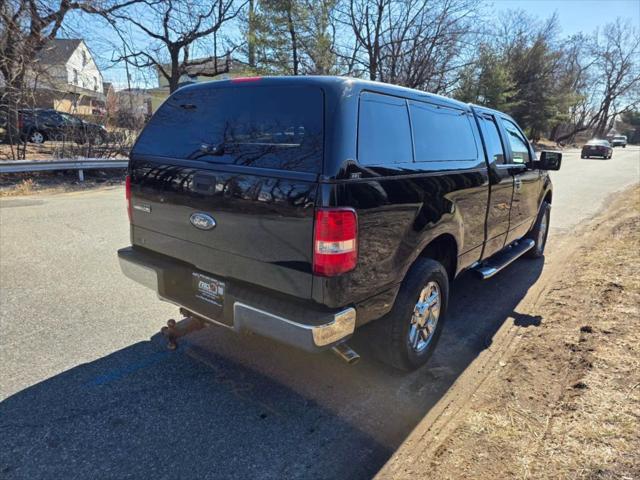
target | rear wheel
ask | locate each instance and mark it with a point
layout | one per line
(36, 136)
(409, 333)
(540, 231)
(97, 139)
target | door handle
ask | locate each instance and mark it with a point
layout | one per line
(518, 184)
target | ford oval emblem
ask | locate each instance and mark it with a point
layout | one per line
(202, 221)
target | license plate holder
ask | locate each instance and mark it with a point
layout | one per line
(208, 289)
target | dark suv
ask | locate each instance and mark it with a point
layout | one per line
(39, 125)
(301, 208)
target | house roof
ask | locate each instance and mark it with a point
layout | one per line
(58, 50)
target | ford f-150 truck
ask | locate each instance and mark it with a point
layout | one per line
(301, 208)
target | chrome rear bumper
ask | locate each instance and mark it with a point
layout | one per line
(324, 331)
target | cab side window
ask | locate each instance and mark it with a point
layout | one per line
(495, 150)
(519, 145)
(384, 133)
(441, 133)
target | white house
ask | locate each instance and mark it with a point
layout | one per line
(65, 77)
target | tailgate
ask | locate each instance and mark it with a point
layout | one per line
(263, 226)
(225, 179)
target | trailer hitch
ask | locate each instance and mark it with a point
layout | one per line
(175, 330)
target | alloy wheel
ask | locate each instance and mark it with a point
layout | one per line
(425, 317)
(36, 137)
(542, 232)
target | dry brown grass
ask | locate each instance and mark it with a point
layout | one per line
(567, 403)
(12, 185)
(25, 187)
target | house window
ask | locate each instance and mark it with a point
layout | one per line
(84, 58)
(75, 76)
(95, 84)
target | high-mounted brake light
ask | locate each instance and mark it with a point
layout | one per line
(127, 193)
(245, 79)
(335, 241)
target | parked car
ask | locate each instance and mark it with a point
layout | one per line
(39, 125)
(619, 141)
(597, 148)
(301, 208)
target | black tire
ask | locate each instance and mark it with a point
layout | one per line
(538, 236)
(392, 332)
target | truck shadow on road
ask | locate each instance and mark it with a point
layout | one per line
(227, 406)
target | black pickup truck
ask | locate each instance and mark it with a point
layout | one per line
(301, 208)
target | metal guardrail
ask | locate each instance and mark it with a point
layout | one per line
(25, 166)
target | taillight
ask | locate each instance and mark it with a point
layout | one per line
(127, 193)
(335, 241)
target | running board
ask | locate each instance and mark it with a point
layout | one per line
(503, 259)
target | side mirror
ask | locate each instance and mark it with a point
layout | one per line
(549, 160)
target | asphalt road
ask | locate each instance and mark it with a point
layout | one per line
(87, 391)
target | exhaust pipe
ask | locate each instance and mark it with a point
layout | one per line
(346, 353)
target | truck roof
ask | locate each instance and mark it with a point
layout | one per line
(335, 83)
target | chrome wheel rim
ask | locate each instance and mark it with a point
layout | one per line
(37, 137)
(425, 317)
(542, 232)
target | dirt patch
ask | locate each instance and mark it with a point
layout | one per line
(565, 402)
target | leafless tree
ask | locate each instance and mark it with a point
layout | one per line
(183, 36)
(414, 43)
(606, 79)
(616, 61)
(25, 28)
(366, 19)
(425, 42)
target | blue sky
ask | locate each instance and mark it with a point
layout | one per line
(573, 16)
(577, 15)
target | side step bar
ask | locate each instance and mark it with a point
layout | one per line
(503, 259)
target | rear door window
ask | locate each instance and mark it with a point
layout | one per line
(493, 143)
(49, 118)
(269, 127)
(442, 133)
(384, 132)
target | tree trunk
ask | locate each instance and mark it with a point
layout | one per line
(251, 39)
(294, 39)
(174, 81)
(572, 133)
(373, 67)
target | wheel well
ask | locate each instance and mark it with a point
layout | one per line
(444, 249)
